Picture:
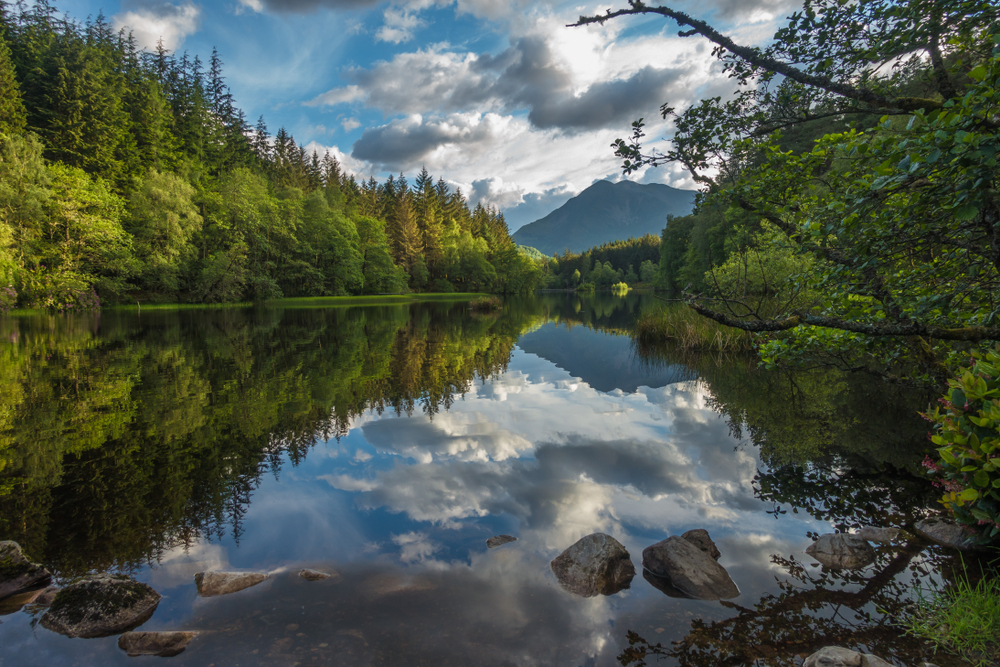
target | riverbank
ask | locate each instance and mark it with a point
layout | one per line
(297, 302)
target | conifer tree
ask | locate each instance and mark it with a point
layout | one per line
(13, 117)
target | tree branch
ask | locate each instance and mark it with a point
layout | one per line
(756, 58)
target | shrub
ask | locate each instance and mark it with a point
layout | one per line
(59, 290)
(966, 432)
(8, 299)
(486, 303)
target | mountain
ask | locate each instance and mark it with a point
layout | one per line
(606, 212)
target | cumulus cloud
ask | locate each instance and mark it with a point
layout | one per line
(399, 26)
(304, 6)
(406, 141)
(150, 22)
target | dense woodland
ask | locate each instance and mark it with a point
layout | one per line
(126, 174)
(631, 261)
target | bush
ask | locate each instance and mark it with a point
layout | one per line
(442, 286)
(8, 299)
(968, 440)
(486, 303)
(59, 290)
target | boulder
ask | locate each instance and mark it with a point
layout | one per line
(948, 533)
(596, 564)
(162, 644)
(700, 538)
(17, 573)
(34, 600)
(688, 570)
(313, 575)
(223, 583)
(840, 551)
(835, 656)
(883, 535)
(100, 606)
(499, 541)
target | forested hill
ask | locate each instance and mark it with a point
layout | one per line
(133, 175)
(606, 212)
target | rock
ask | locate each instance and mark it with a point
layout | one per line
(883, 535)
(948, 533)
(313, 575)
(700, 538)
(17, 573)
(840, 551)
(833, 656)
(499, 541)
(597, 563)
(688, 570)
(224, 583)
(100, 606)
(162, 644)
(33, 600)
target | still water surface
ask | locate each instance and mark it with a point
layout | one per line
(386, 444)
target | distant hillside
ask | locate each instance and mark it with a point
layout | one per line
(606, 212)
(533, 253)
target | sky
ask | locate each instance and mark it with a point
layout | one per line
(501, 99)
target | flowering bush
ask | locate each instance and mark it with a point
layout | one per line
(967, 433)
(8, 299)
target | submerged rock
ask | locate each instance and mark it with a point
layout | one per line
(313, 575)
(162, 644)
(948, 533)
(835, 656)
(17, 573)
(688, 570)
(839, 551)
(223, 583)
(883, 535)
(499, 541)
(701, 539)
(31, 600)
(100, 606)
(595, 564)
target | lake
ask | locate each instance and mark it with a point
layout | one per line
(386, 444)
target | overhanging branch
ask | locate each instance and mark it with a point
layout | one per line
(756, 58)
(968, 334)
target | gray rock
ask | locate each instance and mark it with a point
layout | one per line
(700, 538)
(883, 535)
(313, 575)
(833, 656)
(163, 644)
(596, 564)
(100, 606)
(839, 551)
(223, 583)
(948, 533)
(689, 570)
(499, 541)
(17, 573)
(45, 597)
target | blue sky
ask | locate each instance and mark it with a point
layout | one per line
(498, 98)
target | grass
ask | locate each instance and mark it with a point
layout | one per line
(486, 303)
(300, 302)
(963, 619)
(684, 328)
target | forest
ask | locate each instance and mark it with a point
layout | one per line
(132, 176)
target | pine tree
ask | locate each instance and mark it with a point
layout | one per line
(404, 234)
(13, 117)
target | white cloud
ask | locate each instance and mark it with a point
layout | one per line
(399, 26)
(337, 96)
(151, 22)
(350, 124)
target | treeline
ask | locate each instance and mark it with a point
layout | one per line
(631, 261)
(131, 174)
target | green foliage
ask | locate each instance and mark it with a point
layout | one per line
(961, 619)
(968, 445)
(163, 220)
(680, 327)
(13, 116)
(532, 253)
(620, 288)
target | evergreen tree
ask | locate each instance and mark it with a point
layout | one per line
(13, 117)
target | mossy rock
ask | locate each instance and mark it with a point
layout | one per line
(17, 573)
(100, 606)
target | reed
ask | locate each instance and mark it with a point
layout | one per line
(684, 328)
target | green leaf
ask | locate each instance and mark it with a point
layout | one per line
(981, 478)
(966, 212)
(968, 495)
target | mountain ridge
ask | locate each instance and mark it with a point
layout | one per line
(605, 212)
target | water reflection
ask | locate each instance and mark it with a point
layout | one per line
(387, 444)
